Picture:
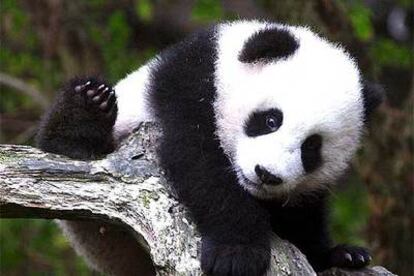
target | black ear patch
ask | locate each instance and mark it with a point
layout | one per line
(268, 45)
(373, 94)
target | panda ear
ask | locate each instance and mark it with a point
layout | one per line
(373, 95)
(268, 45)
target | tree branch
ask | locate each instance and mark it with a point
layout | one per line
(127, 189)
(25, 88)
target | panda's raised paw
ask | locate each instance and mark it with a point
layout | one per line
(349, 256)
(97, 94)
(231, 260)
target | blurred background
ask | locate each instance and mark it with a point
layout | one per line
(45, 42)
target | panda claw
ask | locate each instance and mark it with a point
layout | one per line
(97, 96)
(81, 87)
(107, 104)
(105, 99)
(103, 106)
(360, 259)
(90, 93)
(78, 88)
(110, 110)
(348, 257)
(96, 99)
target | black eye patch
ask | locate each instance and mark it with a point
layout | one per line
(263, 122)
(311, 153)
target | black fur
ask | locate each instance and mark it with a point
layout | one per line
(79, 124)
(269, 45)
(235, 227)
(311, 153)
(257, 124)
(373, 95)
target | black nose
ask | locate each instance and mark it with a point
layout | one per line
(266, 177)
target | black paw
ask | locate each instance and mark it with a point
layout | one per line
(234, 260)
(349, 256)
(97, 95)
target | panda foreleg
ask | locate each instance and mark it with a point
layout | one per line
(342, 255)
(316, 243)
(234, 228)
(250, 259)
(79, 123)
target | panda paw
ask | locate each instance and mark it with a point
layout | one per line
(349, 256)
(231, 260)
(97, 95)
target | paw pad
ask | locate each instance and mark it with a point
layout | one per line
(349, 256)
(98, 94)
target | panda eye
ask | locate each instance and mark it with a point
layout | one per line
(271, 122)
(263, 122)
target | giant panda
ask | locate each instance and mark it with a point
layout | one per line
(259, 119)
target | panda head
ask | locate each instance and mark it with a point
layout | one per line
(290, 107)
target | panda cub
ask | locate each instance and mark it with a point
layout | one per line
(258, 121)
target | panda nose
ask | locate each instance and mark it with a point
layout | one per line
(266, 177)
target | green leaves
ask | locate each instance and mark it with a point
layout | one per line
(388, 53)
(144, 9)
(206, 10)
(360, 17)
(36, 247)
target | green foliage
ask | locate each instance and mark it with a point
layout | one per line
(360, 17)
(144, 9)
(350, 212)
(36, 247)
(96, 4)
(19, 56)
(113, 42)
(406, 3)
(388, 53)
(206, 11)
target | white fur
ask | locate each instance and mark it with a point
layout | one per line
(317, 89)
(132, 102)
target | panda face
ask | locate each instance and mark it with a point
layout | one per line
(288, 119)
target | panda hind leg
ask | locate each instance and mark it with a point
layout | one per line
(79, 123)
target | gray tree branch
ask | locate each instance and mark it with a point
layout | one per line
(127, 189)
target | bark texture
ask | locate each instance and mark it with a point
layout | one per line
(124, 194)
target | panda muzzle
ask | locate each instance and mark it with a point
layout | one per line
(266, 177)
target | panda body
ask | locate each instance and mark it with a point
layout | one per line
(258, 120)
(301, 84)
